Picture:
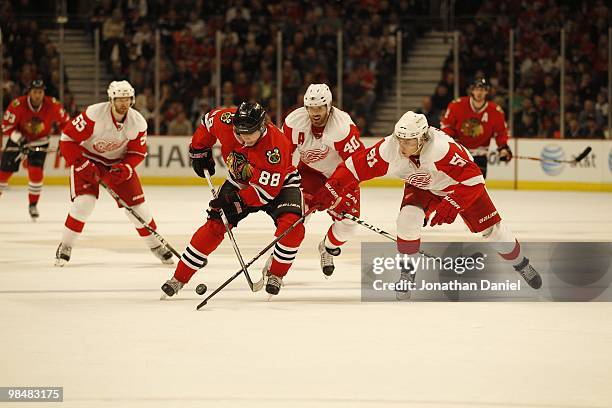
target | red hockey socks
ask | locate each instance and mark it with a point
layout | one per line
(205, 240)
(286, 249)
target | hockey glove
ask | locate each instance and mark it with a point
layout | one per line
(328, 196)
(446, 211)
(505, 154)
(230, 203)
(202, 159)
(120, 173)
(87, 170)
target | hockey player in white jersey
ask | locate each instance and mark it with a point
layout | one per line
(441, 182)
(105, 143)
(324, 137)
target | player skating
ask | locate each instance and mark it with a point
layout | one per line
(440, 176)
(105, 143)
(324, 137)
(27, 123)
(473, 121)
(261, 178)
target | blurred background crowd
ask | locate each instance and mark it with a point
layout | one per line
(309, 52)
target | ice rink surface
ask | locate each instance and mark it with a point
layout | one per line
(98, 328)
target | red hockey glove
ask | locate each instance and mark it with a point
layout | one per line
(446, 211)
(120, 173)
(87, 170)
(328, 196)
(230, 203)
(505, 154)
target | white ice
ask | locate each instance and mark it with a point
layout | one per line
(98, 328)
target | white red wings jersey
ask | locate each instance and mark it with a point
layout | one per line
(259, 171)
(21, 120)
(475, 128)
(102, 139)
(442, 165)
(323, 149)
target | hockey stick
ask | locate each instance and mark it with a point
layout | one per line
(372, 228)
(27, 149)
(263, 251)
(140, 219)
(230, 235)
(577, 159)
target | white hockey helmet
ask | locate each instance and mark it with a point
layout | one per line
(412, 126)
(318, 95)
(121, 89)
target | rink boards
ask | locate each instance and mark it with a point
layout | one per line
(168, 164)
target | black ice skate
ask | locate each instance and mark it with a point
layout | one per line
(406, 280)
(33, 212)
(327, 258)
(163, 254)
(531, 276)
(62, 255)
(171, 287)
(274, 284)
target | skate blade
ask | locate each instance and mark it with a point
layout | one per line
(163, 296)
(60, 263)
(403, 295)
(168, 261)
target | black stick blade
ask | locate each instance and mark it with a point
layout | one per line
(583, 154)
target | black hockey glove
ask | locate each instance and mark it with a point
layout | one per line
(505, 154)
(202, 159)
(230, 203)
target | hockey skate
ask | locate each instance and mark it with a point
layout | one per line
(273, 282)
(62, 255)
(163, 254)
(406, 281)
(327, 258)
(33, 212)
(171, 287)
(531, 276)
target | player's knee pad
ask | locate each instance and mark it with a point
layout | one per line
(500, 237)
(35, 174)
(82, 207)
(344, 229)
(214, 227)
(284, 222)
(142, 210)
(410, 222)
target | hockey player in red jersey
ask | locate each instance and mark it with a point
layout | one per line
(27, 123)
(441, 182)
(473, 121)
(105, 143)
(324, 137)
(261, 178)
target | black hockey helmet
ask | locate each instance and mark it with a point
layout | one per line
(249, 117)
(37, 84)
(480, 82)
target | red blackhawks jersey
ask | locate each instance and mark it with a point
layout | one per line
(442, 165)
(21, 120)
(475, 128)
(322, 149)
(96, 135)
(259, 171)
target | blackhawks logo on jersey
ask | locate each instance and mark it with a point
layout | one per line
(472, 128)
(226, 117)
(239, 167)
(35, 126)
(274, 155)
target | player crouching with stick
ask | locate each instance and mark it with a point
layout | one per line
(261, 178)
(440, 176)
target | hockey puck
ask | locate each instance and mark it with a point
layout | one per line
(201, 289)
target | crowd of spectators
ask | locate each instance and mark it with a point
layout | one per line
(28, 54)
(248, 52)
(484, 44)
